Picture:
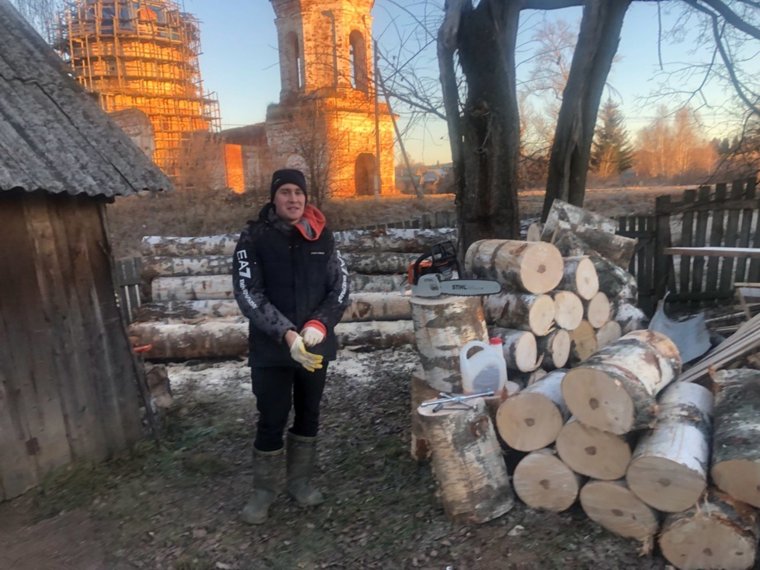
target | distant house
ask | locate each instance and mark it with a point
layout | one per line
(68, 386)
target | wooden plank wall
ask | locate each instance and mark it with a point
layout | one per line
(642, 228)
(67, 374)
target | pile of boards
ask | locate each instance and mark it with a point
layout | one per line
(648, 457)
(192, 312)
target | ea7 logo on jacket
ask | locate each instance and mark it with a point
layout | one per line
(244, 267)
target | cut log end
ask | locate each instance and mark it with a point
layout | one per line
(592, 452)
(612, 505)
(542, 481)
(528, 421)
(586, 279)
(598, 400)
(541, 315)
(541, 268)
(740, 478)
(598, 310)
(664, 484)
(568, 310)
(584, 342)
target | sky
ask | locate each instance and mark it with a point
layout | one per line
(239, 63)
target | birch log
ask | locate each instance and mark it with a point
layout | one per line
(392, 239)
(592, 452)
(630, 317)
(555, 349)
(524, 311)
(377, 307)
(361, 282)
(615, 389)
(598, 310)
(717, 533)
(583, 342)
(520, 349)
(609, 332)
(580, 277)
(736, 439)
(561, 211)
(166, 266)
(568, 309)
(668, 470)
(616, 248)
(532, 267)
(187, 310)
(611, 504)
(614, 281)
(467, 462)
(172, 246)
(420, 391)
(379, 262)
(442, 325)
(542, 481)
(531, 419)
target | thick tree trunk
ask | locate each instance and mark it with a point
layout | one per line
(521, 266)
(555, 349)
(534, 313)
(542, 481)
(441, 327)
(592, 452)
(612, 505)
(580, 277)
(520, 349)
(615, 389)
(467, 462)
(718, 532)
(668, 470)
(596, 47)
(420, 391)
(568, 309)
(532, 419)
(736, 451)
(486, 136)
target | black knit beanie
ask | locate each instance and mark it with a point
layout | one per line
(287, 176)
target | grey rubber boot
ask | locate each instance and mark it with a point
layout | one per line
(267, 471)
(301, 459)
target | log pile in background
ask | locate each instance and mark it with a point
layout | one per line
(192, 313)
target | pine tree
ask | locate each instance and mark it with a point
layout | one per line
(611, 152)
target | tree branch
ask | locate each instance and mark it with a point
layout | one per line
(728, 15)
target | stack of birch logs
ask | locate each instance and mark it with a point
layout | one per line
(192, 312)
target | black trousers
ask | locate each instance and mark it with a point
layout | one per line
(277, 390)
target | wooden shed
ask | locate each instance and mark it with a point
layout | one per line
(68, 380)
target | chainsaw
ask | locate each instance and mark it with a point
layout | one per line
(437, 272)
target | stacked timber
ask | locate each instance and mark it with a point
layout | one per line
(192, 312)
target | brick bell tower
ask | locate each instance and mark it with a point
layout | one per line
(329, 121)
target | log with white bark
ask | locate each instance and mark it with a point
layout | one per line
(718, 533)
(615, 389)
(630, 317)
(568, 309)
(525, 311)
(583, 342)
(587, 241)
(614, 281)
(420, 391)
(555, 348)
(520, 350)
(228, 338)
(377, 307)
(392, 239)
(467, 462)
(532, 267)
(167, 266)
(542, 481)
(611, 504)
(597, 310)
(607, 333)
(592, 452)
(668, 470)
(576, 216)
(379, 262)
(443, 325)
(532, 419)
(361, 282)
(580, 277)
(173, 246)
(736, 438)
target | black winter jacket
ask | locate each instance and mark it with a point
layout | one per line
(281, 280)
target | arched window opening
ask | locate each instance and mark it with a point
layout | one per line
(364, 174)
(358, 56)
(293, 63)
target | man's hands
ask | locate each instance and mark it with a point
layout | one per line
(298, 352)
(313, 332)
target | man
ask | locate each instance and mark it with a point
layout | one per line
(292, 284)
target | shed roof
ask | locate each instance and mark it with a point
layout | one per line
(53, 134)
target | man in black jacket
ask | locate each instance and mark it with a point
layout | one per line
(292, 284)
